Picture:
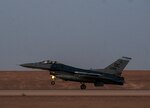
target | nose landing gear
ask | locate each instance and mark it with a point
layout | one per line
(83, 86)
(52, 82)
(52, 77)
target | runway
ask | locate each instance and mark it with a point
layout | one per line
(74, 92)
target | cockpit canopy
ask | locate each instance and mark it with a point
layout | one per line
(48, 62)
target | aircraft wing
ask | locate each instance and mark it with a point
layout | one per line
(92, 75)
(89, 75)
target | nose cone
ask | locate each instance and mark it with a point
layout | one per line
(28, 65)
(37, 66)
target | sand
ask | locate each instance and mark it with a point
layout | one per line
(75, 102)
(137, 82)
(40, 80)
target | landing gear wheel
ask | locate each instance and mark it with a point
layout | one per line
(52, 82)
(83, 86)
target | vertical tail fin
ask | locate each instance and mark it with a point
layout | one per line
(118, 66)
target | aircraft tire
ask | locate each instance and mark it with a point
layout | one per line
(52, 82)
(83, 86)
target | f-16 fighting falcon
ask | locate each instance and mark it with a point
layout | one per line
(109, 75)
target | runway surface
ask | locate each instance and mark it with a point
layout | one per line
(74, 92)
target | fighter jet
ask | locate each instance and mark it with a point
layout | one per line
(109, 75)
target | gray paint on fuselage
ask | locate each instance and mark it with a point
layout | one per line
(68, 73)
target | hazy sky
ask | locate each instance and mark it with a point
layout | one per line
(83, 33)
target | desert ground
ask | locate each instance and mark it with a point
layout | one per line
(40, 80)
(75, 102)
(134, 93)
(145, 93)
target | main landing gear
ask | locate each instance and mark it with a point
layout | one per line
(83, 86)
